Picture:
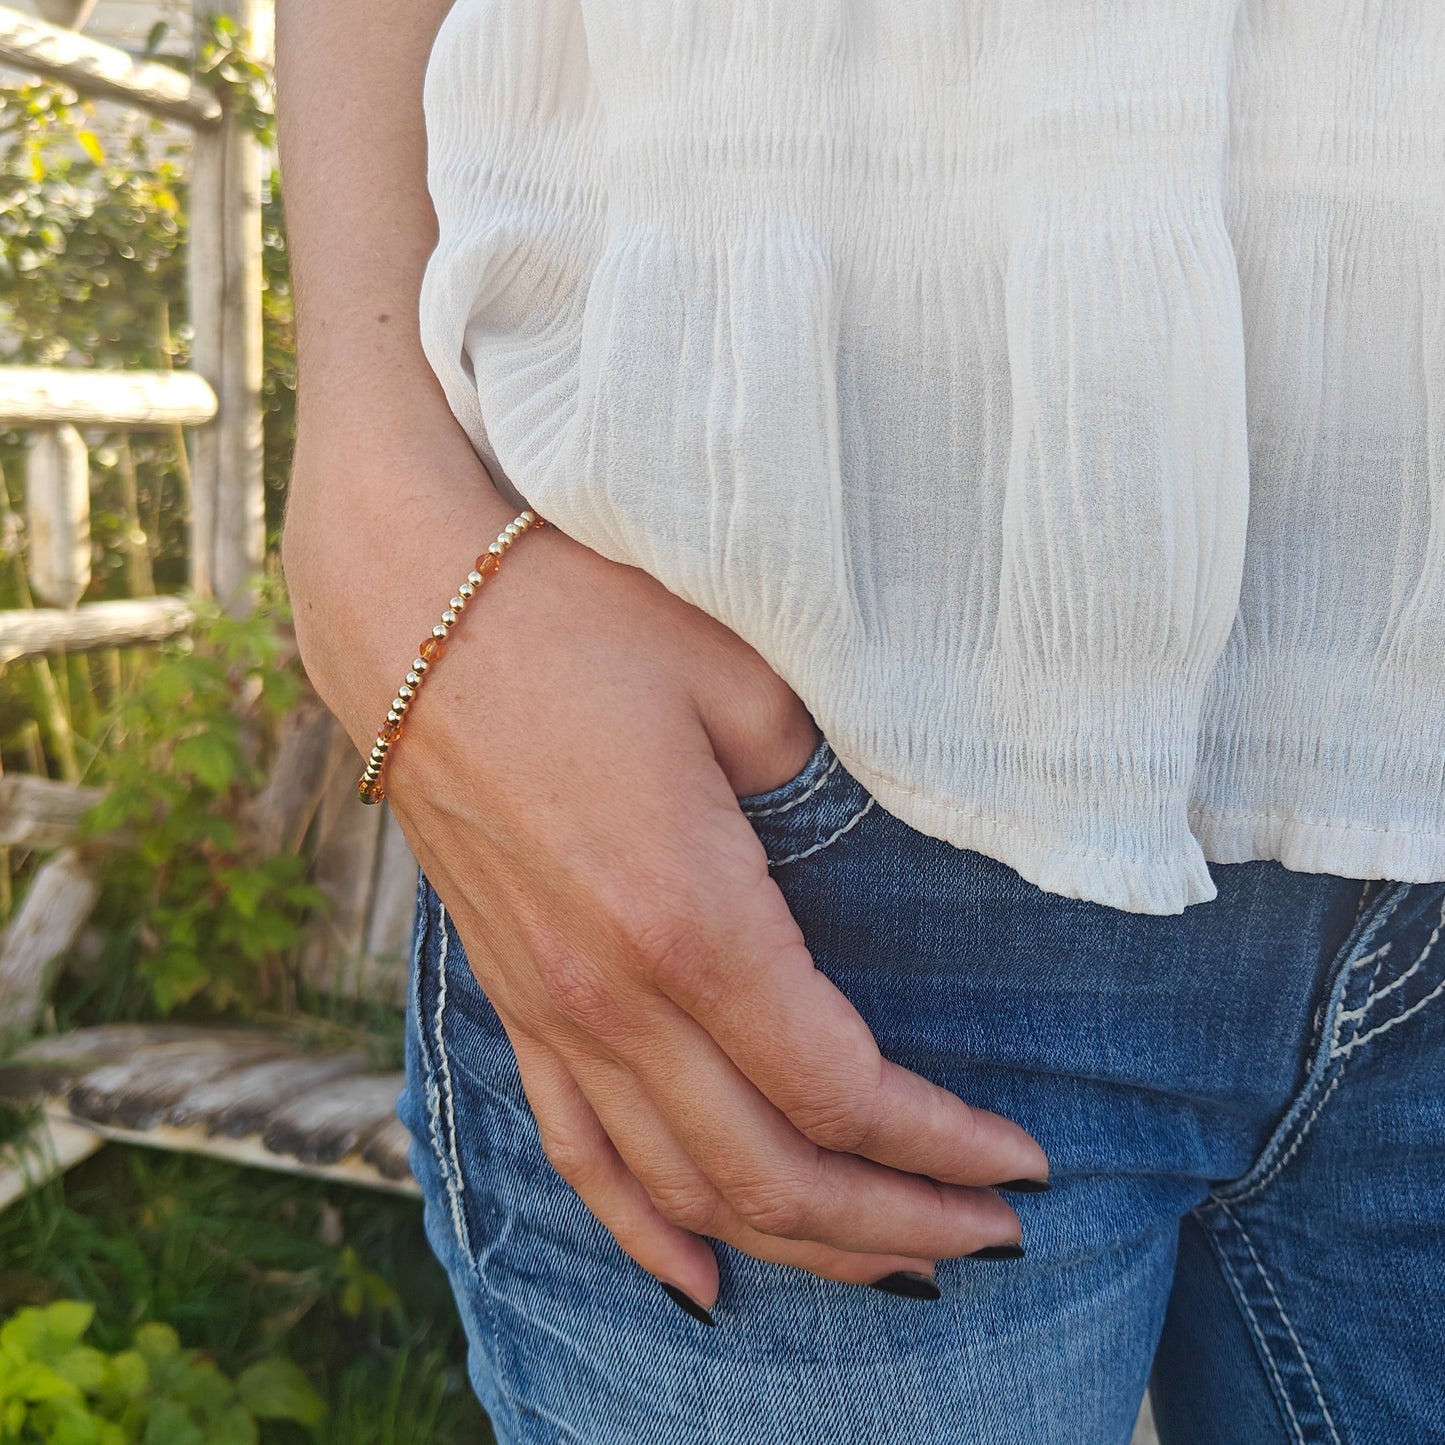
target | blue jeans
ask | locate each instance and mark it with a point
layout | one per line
(1243, 1104)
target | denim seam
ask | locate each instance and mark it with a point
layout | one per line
(448, 1156)
(1345, 1050)
(801, 798)
(1265, 1348)
(1258, 1335)
(1324, 1409)
(1324, 1075)
(829, 840)
(455, 1183)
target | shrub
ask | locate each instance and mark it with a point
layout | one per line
(57, 1390)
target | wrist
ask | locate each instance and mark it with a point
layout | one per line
(369, 562)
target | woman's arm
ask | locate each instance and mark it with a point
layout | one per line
(569, 780)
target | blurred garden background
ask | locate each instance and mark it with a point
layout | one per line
(207, 1230)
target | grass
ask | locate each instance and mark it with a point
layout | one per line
(246, 1264)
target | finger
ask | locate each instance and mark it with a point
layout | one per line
(773, 1178)
(683, 1196)
(580, 1151)
(817, 1060)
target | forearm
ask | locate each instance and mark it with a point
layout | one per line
(359, 219)
(387, 501)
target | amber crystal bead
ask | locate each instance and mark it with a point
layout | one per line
(431, 649)
(390, 731)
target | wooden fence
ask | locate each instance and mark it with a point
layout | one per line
(360, 859)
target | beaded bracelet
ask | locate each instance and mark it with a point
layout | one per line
(368, 785)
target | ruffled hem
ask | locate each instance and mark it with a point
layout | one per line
(1165, 884)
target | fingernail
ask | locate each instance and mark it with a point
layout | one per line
(1026, 1186)
(999, 1251)
(908, 1284)
(686, 1302)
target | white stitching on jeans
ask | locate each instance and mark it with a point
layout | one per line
(1288, 1323)
(453, 1172)
(801, 798)
(831, 838)
(1242, 1295)
(1398, 1019)
(1344, 1050)
(1284, 1158)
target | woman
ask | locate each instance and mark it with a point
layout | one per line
(932, 863)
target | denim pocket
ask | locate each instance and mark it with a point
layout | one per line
(811, 811)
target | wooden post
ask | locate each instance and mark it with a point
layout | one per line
(227, 494)
(57, 513)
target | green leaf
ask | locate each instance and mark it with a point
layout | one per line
(130, 1376)
(171, 1424)
(209, 757)
(157, 1342)
(87, 1369)
(46, 1334)
(237, 1426)
(277, 1390)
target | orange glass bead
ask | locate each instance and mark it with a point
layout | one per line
(391, 730)
(488, 563)
(370, 792)
(431, 649)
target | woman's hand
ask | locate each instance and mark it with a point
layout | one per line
(568, 780)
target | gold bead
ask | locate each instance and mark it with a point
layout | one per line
(392, 716)
(419, 664)
(398, 704)
(530, 515)
(413, 679)
(475, 579)
(496, 549)
(467, 591)
(439, 632)
(457, 603)
(405, 693)
(449, 618)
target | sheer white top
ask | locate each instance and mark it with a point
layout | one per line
(1054, 394)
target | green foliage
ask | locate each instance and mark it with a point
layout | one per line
(207, 913)
(249, 1266)
(56, 1390)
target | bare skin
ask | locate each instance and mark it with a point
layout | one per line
(569, 777)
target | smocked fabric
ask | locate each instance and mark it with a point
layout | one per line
(1053, 394)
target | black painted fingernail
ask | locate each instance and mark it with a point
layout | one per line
(908, 1284)
(686, 1302)
(999, 1251)
(1026, 1186)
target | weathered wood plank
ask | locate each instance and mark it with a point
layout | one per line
(48, 1149)
(57, 514)
(94, 68)
(48, 921)
(348, 836)
(251, 1151)
(245, 1095)
(140, 1092)
(243, 1102)
(45, 395)
(393, 902)
(335, 1120)
(388, 1150)
(126, 623)
(42, 813)
(283, 809)
(226, 286)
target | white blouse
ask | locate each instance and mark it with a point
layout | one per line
(1052, 393)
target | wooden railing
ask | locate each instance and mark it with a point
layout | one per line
(219, 398)
(360, 859)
